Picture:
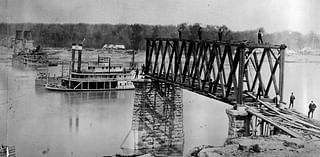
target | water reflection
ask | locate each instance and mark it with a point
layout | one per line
(87, 97)
(76, 120)
(157, 122)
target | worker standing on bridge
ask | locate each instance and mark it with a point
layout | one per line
(291, 100)
(260, 34)
(200, 33)
(312, 107)
(220, 32)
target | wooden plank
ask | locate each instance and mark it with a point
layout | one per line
(289, 118)
(288, 131)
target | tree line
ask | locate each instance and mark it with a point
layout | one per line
(133, 36)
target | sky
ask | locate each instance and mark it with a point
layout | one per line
(273, 15)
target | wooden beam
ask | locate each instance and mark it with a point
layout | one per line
(220, 65)
(281, 75)
(164, 53)
(147, 62)
(272, 78)
(187, 61)
(232, 75)
(157, 53)
(209, 68)
(178, 58)
(264, 118)
(170, 62)
(240, 74)
(194, 60)
(258, 65)
(273, 70)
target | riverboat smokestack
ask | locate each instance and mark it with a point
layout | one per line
(27, 35)
(19, 35)
(73, 55)
(79, 57)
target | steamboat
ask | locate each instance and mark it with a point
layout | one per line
(97, 75)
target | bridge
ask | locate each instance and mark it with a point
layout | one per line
(216, 69)
(232, 72)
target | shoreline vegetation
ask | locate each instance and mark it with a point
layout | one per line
(133, 36)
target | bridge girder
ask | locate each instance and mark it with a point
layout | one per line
(222, 70)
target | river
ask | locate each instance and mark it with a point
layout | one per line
(43, 123)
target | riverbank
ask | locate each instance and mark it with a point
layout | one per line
(273, 146)
(260, 146)
(279, 145)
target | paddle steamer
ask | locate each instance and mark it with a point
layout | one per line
(94, 76)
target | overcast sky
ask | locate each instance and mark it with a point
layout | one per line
(273, 15)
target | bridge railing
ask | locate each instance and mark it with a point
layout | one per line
(223, 70)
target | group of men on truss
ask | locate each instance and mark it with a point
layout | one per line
(312, 105)
(220, 34)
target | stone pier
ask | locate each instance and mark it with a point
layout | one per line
(239, 122)
(157, 122)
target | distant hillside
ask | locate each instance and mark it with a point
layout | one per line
(132, 36)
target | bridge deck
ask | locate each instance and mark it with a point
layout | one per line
(289, 121)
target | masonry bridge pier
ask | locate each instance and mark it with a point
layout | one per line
(232, 72)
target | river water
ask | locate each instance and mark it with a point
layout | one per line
(43, 123)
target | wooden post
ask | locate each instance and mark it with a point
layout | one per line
(281, 74)
(62, 71)
(70, 74)
(241, 73)
(79, 58)
(147, 57)
(109, 60)
(73, 55)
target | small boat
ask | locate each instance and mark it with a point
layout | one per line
(98, 75)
